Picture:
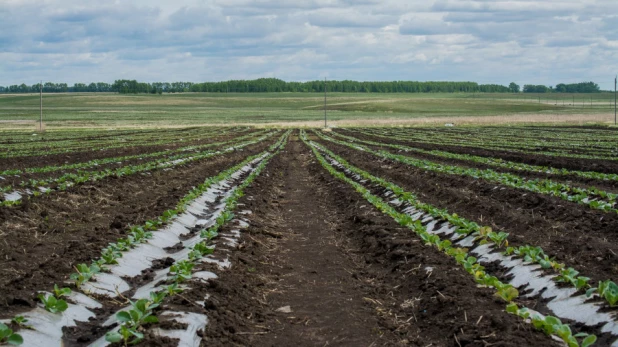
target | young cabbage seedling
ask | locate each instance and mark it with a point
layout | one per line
(139, 314)
(21, 322)
(84, 273)
(173, 289)
(60, 292)
(209, 234)
(607, 290)
(570, 276)
(181, 271)
(7, 336)
(53, 304)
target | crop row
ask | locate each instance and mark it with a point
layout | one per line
(581, 153)
(135, 253)
(525, 138)
(518, 138)
(67, 180)
(106, 144)
(507, 292)
(485, 235)
(496, 162)
(578, 135)
(104, 161)
(591, 197)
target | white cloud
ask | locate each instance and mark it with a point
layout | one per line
(524, 41)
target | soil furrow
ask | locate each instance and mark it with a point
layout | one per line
(604, 166)
(83, 156)
(70, 227)
(350, 274)
(582, 238)
(575, 181)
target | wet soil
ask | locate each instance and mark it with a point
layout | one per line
(350, 275)
(582, 238)
(43, 239)
(604, 166)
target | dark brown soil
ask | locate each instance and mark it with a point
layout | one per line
(350, 275)
(43, 239)
(575, 181)
(605, 166)
(582, 238)
(83, 156)
(16, 180)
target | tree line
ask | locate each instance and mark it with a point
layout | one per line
(583, 87)
(272, 85)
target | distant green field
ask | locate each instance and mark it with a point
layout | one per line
(114, 110)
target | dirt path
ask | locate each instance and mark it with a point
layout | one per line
(350, 275)
(315, 276)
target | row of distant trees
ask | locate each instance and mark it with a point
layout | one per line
(277, 85)
(583, 87)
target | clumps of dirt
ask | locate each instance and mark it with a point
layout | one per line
(398, 290)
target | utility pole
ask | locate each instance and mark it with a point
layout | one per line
(615, 82)
(325, 125)
(41, 98)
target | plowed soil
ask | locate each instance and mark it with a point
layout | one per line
(83, 156)
(350, 275)
(318, 265)
(585, 239)
(605, 166)
(576, 181)
(44, 239)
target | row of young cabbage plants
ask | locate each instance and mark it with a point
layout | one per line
(522, 138)
(424, 220)
(495, 162)
(111, 160)
(213, 202)
(591, 197)
(146, 139)
(42, 186)
(607, 290)
(575, 135)
(579, 152)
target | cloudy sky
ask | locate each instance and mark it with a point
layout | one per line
(539, 42)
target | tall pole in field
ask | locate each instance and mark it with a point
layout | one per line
(325, 125)
(615, 82)
(41, 99)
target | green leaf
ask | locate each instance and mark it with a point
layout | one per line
(113, 337)
(123, 316)
(4, 331)
(589, 341)
(15, 340)
(61, 305)
(512, 308)
(150, 319)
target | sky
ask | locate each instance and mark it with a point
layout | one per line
(527, 42)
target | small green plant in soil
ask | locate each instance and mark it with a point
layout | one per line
(607, 290)
(21, 322)
(181, 271)
(131, 321)
(8, 336)
(84, 273)
(52, 303)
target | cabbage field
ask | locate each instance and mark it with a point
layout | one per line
(242, 236)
